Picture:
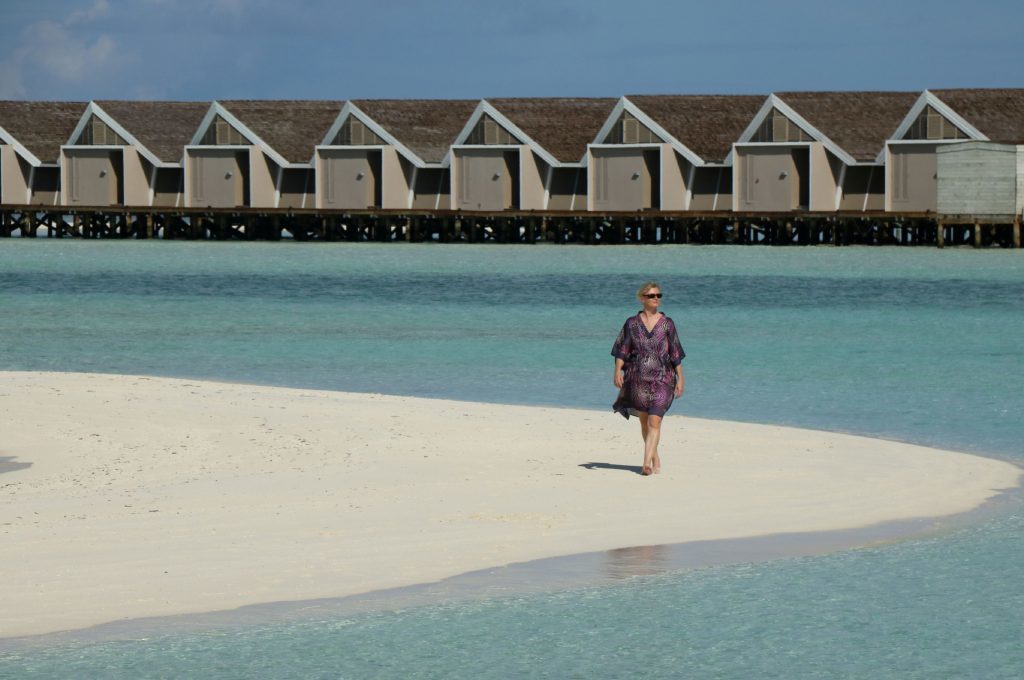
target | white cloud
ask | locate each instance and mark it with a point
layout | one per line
(64, 51)
(11, 85)
(98, 9)
(61, 53)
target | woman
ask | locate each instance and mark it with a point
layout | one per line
(648, 370)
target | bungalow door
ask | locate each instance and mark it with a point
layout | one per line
(770, 180)
(93, 177)
(218, 180)
(349, 179)
(913, 176)
(485, 181)
(621, 180)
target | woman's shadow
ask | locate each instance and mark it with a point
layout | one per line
(636, 469)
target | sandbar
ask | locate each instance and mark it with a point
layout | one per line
(128, 496)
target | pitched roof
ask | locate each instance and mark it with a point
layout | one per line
(292, 128)
(708, 125)
(427, 127)
(997, 113)
(561, 125)
(165, 128)
(859, 122)
(41, 127)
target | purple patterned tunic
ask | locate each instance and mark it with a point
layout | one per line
(650, 359)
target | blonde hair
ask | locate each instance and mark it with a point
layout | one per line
(646, 287)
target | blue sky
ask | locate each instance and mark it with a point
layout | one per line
(323, 49)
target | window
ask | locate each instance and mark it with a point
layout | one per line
(487, 131)
(933, 125)
(354, 132)
(98, 133)
(777, 128)
(221, 133)
(629, 130)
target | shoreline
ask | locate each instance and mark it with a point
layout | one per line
(137, 497)
(564, 573)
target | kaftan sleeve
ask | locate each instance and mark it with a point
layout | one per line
(623, 346)
(675, 348)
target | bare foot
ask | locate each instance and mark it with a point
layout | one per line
(645, 470)
(656, 465)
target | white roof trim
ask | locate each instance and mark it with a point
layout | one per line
(676, 144)
(350, 109)
(485, 107)
(7, 138)
(609, 122)
(94, 109)
(216, 109)
(926, 99)
(784, 108)
(755, 123)
(624, 105)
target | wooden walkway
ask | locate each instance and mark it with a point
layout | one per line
(802, 228)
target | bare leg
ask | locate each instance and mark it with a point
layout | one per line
(651, 440)
(643, 435)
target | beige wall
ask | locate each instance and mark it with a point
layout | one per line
(532, 178)
(135, 176)
(13, 177)
(395, 186)
(911, 184)
(825, 169)
(1020, 179)
(262, 179)
(674, 169)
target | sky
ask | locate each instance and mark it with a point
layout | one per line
(79, 50)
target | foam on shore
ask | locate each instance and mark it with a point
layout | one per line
(127, 496)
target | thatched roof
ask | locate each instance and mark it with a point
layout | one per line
(165, 128)
(562, 126)
(292, 128)
(427, 127)
(41, 127)
(997, 113)
(859, 122)
(708, 125)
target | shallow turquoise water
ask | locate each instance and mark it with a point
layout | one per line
(912, 344)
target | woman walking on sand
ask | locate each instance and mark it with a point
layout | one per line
(648, 370)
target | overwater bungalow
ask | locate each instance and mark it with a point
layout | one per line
(389, 154)
(31, 135)
(667, 152)
(128, 153)
(816, 151)
(525, 154)
(940, 119)
(256, 154)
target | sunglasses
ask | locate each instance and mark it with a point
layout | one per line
(651, 296)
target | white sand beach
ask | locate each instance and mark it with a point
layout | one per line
(125, 496)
